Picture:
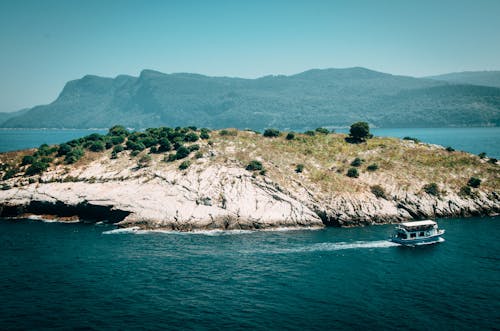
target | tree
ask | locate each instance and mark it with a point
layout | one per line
(271, 133)
(359, 132)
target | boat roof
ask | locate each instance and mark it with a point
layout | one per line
(418, 223)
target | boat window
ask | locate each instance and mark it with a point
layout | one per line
(413, 235)
(421, 234)
(401, 235)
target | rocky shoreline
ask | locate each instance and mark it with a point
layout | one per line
(225, 198)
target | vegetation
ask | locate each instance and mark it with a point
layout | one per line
(474, 182)
(327, 158)
(432, 189)
(359, 132)
(357, 162)
(290, 136)
(353, 172)
(184, 165)
(450, 149)
(271, 133)
(378, 191)
(482, 155)
(322, 130)
(412, 139)
(254, 165)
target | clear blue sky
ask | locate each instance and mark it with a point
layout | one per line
(45, 43)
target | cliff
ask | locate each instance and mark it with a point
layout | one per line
(303, 182)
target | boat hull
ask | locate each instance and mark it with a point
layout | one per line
(436, 238)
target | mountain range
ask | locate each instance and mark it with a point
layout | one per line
(318, 97)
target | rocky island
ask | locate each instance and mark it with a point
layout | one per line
(190, 179)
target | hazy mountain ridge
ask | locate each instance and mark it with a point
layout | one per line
(484, 78)
(317, 97)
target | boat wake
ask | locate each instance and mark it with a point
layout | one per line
(335, 246)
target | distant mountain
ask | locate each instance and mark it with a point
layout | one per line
(4, 116)
(329, 97)
(484, 78)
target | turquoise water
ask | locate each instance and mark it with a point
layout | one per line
(15, 139)
(66, 276)
(473, 140)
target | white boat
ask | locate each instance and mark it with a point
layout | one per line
(417, 233)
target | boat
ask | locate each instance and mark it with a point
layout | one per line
(417, 233)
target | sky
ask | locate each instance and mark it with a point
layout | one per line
(45, 43)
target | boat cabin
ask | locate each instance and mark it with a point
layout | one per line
(414, 230)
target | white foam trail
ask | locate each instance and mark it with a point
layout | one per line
(327, 247)
(132, 229)
(53, 220)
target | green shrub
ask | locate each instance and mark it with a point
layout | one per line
(191, 137)
(432, 189)
(372, 167)
(465, 191)
(204, 135)
(36, 168)
(194, 147)
(482, 155)
(412, 139)
(114, 155)
(182, 152)
(263, 172)
(134, 153)
(322, 130)
(28, 159)
(378, 191)
(97, 146)
(153, 150)
(474, 182)
(254, 165)
(290, 136)
(450, 149)
(118, 130)
(63, 149)
(6, 187)
(357, 162)
(165, 145)
(116, 140)
(184, 165)
(74, 155)
(310, 133)
(170, 157)
(270, 133)
(45, 150)
(9, 174)
(299, 168)
(198, 155)
(353, 172)
(135, 146)
(118, 149)
(492, 160)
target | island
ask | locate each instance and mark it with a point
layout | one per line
(189, 179)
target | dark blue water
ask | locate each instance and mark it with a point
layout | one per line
(65, 276)
(15, 139)
(473, 140)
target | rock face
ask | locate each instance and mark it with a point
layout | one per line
(212, 198)
(216, 192)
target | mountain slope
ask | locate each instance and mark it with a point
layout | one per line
(330, 97)
(484, 78)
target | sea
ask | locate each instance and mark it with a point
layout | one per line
(86, 276)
